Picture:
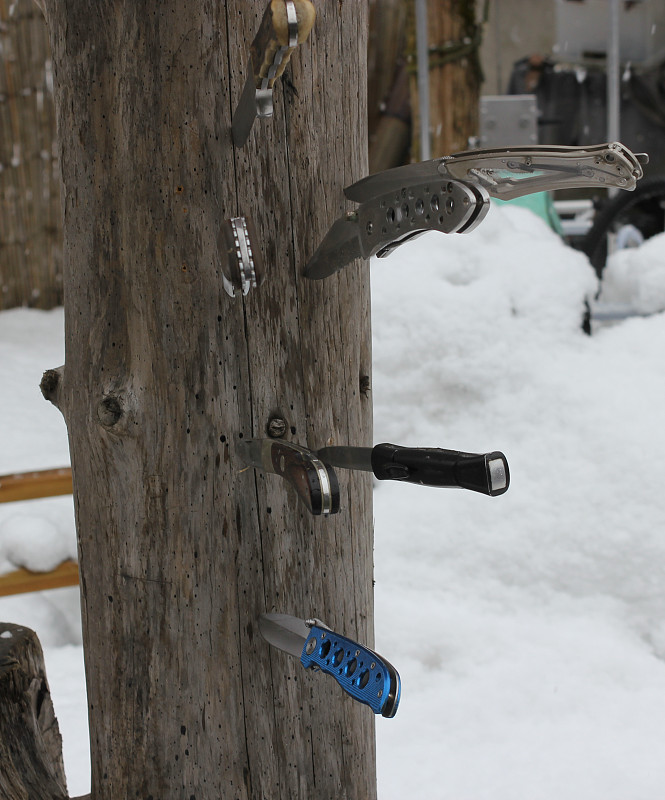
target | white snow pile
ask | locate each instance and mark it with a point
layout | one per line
(636, 276)
(528, 629)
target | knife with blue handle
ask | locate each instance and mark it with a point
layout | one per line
(361, 672)
(486, 473)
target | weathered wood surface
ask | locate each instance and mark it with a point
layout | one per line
(30, 211)
(181, 548)
(454, 30)
(31, 766)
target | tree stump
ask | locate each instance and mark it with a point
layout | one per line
(31, 766)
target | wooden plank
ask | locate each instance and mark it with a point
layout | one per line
(24, 580)
(33, 485)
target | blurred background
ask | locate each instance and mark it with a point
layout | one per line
(514, 72)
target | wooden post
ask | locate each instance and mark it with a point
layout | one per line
(181, 547)
(454, 37)
(30, 213)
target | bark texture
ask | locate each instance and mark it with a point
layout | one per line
(181, 548)
(30, 213)
(454, 29)
(31, 766)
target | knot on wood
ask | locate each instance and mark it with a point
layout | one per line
(110, 411)
(276, 427)
(50, 385)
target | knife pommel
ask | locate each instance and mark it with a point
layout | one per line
(285, 24)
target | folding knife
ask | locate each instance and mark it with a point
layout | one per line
(315, 483)
(285, 24)
(451, 194)
(428, 466)
(361, 672)
(242, 265)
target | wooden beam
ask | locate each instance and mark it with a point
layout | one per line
(32, 485)
(24, 580)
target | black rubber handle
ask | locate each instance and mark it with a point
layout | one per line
(430, 466)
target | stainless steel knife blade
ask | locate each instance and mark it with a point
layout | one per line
(339, 247)
(285, 632)
(347, 457)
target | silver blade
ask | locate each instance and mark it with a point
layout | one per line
(245, 113)
(285, 632)
(347, 457)
(339, 247)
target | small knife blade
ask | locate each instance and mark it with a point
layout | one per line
(315, 483)
(285, 25)
(427, 466)
(363, 674)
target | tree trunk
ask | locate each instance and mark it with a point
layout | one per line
(454, 36)
(31, 765)
(181, 547)
(30, 214)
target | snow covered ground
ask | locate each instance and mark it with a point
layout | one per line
(529, 629)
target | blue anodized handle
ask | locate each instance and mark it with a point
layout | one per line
(362, 673)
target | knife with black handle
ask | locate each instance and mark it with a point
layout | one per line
(486, 473)
(285, 25)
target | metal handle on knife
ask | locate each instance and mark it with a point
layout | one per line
(285, 25)
(486, 473)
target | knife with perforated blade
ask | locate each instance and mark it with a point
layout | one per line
(285, 25)
(427, 466)
(315, 483)
(363, 674)
(451, 195)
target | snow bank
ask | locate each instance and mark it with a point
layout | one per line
(528, 628)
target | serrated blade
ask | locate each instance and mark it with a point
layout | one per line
(339, 247)
(285, 632)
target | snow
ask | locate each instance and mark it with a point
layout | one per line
(528, 629)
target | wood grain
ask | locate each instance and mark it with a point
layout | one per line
(181, 548)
